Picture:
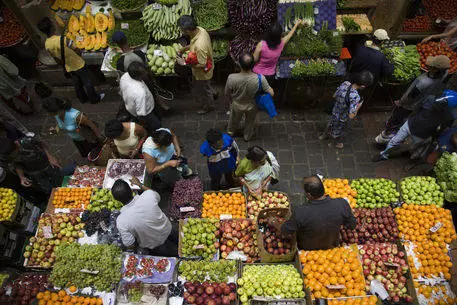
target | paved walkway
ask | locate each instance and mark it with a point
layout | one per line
(291, 136)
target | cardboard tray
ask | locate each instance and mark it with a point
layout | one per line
(12, 221)
(50, 209)
(181, 235)
(108, 182)
(227, 192)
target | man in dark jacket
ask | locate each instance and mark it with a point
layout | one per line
(317, 224)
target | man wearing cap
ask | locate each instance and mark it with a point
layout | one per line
(433, 113)
(370, 59)
(129, 55)
(424, 85)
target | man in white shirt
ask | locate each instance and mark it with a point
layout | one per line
(141, 222)
(137, 97)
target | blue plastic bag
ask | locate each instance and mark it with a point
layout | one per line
(265, 101)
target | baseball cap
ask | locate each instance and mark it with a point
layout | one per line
(451, 97)
(118, 36)
(381, 34)
(440, 62)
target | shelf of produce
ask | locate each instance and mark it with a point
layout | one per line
(351, 4)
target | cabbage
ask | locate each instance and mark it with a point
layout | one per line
(446, 173)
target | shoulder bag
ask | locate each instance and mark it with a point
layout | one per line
(62, 56)
(264, 101)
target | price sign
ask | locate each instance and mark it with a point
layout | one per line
(292, 65)
(314, 32)
(47, 232)
(79, 38)
(199, 247)
(89, 271)
(336, 287)
(225, 216)
(156, 6)
(124, 26)
(316, 10)
(334, 61)
(103, 226)
(335, 34)
(393, 265)
(436, 227)
(158, 53)
(378, 289)
(186, 209)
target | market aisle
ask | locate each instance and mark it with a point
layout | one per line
(291, 136)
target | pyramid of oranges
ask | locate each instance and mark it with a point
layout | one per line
(217, 204)
(369, 300)
(429, 259)
(333, 273)
(340, 188)
(71, 197)
(440, 294)
(62, 298)
(415, 222)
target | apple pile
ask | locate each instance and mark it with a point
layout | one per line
(209, 293)
(387, 264)
(421, 190)
(238, 235)
(199, 237)
(375, 193)
(373, 225)
(267, 200)
(23, 290)
(275, 242)
(53, 229)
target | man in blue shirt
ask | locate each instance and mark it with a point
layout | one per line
(222, 156)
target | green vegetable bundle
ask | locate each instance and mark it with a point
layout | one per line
(406, 61)
(220, 49)
(350, 25)
(127, 4)
(299, 11)
(210, 14)
(135, 32)
(307, 44)
(102, 265)
(446, 173)
(316, 67)
(161, 21)
(114, 60)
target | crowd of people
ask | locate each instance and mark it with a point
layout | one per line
(26, 165)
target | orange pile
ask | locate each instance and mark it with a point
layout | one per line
(338, 266)
(436, 295)
(433, 259)
(72, 197)
(340, 188)
(61, 298)
(415, 221)
(216, 204)
(371, 300)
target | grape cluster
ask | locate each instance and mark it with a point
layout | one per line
(72, 258)
(133, 291)
(175, 290)
(93, 220)
(200, 271)
(157, 290)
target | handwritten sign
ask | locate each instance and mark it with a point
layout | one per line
(156, 6)
(47, 232)
(436, 227)
(393, 265)
(89, 271)
(225, 216)
(158, 53)
(199, 247)
(336, 287)
(79, 38)
(125, 26)
(186, 209)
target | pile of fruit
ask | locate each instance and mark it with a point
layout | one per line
(209, 293)
(277, 281)
(8, 201)
(405, 60)
(340, 188)
(25, 289)
(87, 265)
(311, 68)
(67, 5)
(72, 197)
(446, 173)
(387, 264)
(186, 199)
(231, 204)
(441, 9)
(416, 223)
(429, 259)
(421, 190)
(162, 21)
(87, 176)
(417, 24)
(210, 14)
(238, 235)
(201, 271)
(369, 300)
(162, 58)
(133, 291)
(273, 241)
(373, 225)
(61, 297)
(268, 200)
(94, 221)
(333, 273)
(102, 198)
(375, 193)
(53, 230)
(90, 32)
(438, 294)
(198, 237)
(433, 48)
(11, 29)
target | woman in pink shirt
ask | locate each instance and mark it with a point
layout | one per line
(267, 52)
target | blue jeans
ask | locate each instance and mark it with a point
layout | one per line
(401, 135)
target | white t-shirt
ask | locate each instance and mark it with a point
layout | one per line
(136, 95)
(143, 220)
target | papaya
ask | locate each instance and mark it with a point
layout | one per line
(101, 22)
(89, 9)
(97, 43)
(111, 21)
(82, 21)
(56, 5)
(89, 25)
(104, 40)
(78, 4)
(73, 24)
(69, 5)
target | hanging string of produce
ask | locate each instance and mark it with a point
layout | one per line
(251, 17)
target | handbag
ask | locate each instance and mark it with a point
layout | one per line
(62, 56)
(264, 101)
(86, 132)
